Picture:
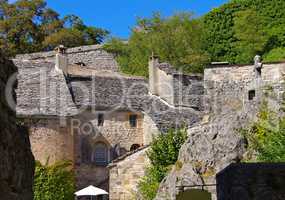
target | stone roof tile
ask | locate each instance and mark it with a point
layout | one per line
(41, 90)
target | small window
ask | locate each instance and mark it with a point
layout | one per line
(100, 156)
(100, 119)
(251, 94)
(133, 120)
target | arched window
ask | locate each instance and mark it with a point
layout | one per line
(100, 154)
(134, 147)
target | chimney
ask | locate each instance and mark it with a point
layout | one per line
(153, 79)
(61, 60)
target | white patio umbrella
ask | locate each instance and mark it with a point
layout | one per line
(90, 191)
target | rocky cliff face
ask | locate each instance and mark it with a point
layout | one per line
(17, 162)
(233, 97)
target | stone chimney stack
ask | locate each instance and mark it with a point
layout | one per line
(61, 60)
(153, 76)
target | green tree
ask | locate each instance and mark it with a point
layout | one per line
(227, 26)
(251, 35)
(54, 182)
(163, 154)
(176, 39)
(29, 25)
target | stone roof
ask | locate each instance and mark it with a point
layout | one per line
(167, 68)
(108, 91)
(123, 157)
(128, 93)
(93, 56)
(41, 90)
(42, 55)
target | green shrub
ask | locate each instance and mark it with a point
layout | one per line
(163, 154)
(274, 55)
(266, 137)
(54, 182)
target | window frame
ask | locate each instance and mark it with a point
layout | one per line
(251, 95)
(103, 160)
(100, 119)
(133, 120)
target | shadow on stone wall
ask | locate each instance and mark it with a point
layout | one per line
(194, 194)
(16, 159)
(252, 181)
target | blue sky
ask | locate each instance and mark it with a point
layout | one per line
(118, 16)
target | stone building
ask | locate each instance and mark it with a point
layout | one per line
(78, 107)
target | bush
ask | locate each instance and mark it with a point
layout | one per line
(163, 154)
(266, 138)
(274, 55)
(54, 182)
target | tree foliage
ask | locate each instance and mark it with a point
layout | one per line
(54, 182)
(241, 28)
(176, 39)
(234, 32)
(163, 154)
(29, 25)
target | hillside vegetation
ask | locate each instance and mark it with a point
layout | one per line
(234, 32)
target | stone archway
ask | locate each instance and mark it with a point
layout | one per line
(194, 194)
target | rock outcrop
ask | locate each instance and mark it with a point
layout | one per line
(215, 143)
(17, 162)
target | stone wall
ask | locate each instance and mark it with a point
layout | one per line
(150, 130)
(165, 86)
(188, 91)
(51, 139)
(115, 130)
(251, 181)
(160, 82)
(116, 133)
(215, 142)
(92, 56)
(125, 174)
(175, 88)
(17, 162)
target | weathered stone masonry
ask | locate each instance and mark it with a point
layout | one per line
(251, 181)
(215, 143)
(91, 96)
